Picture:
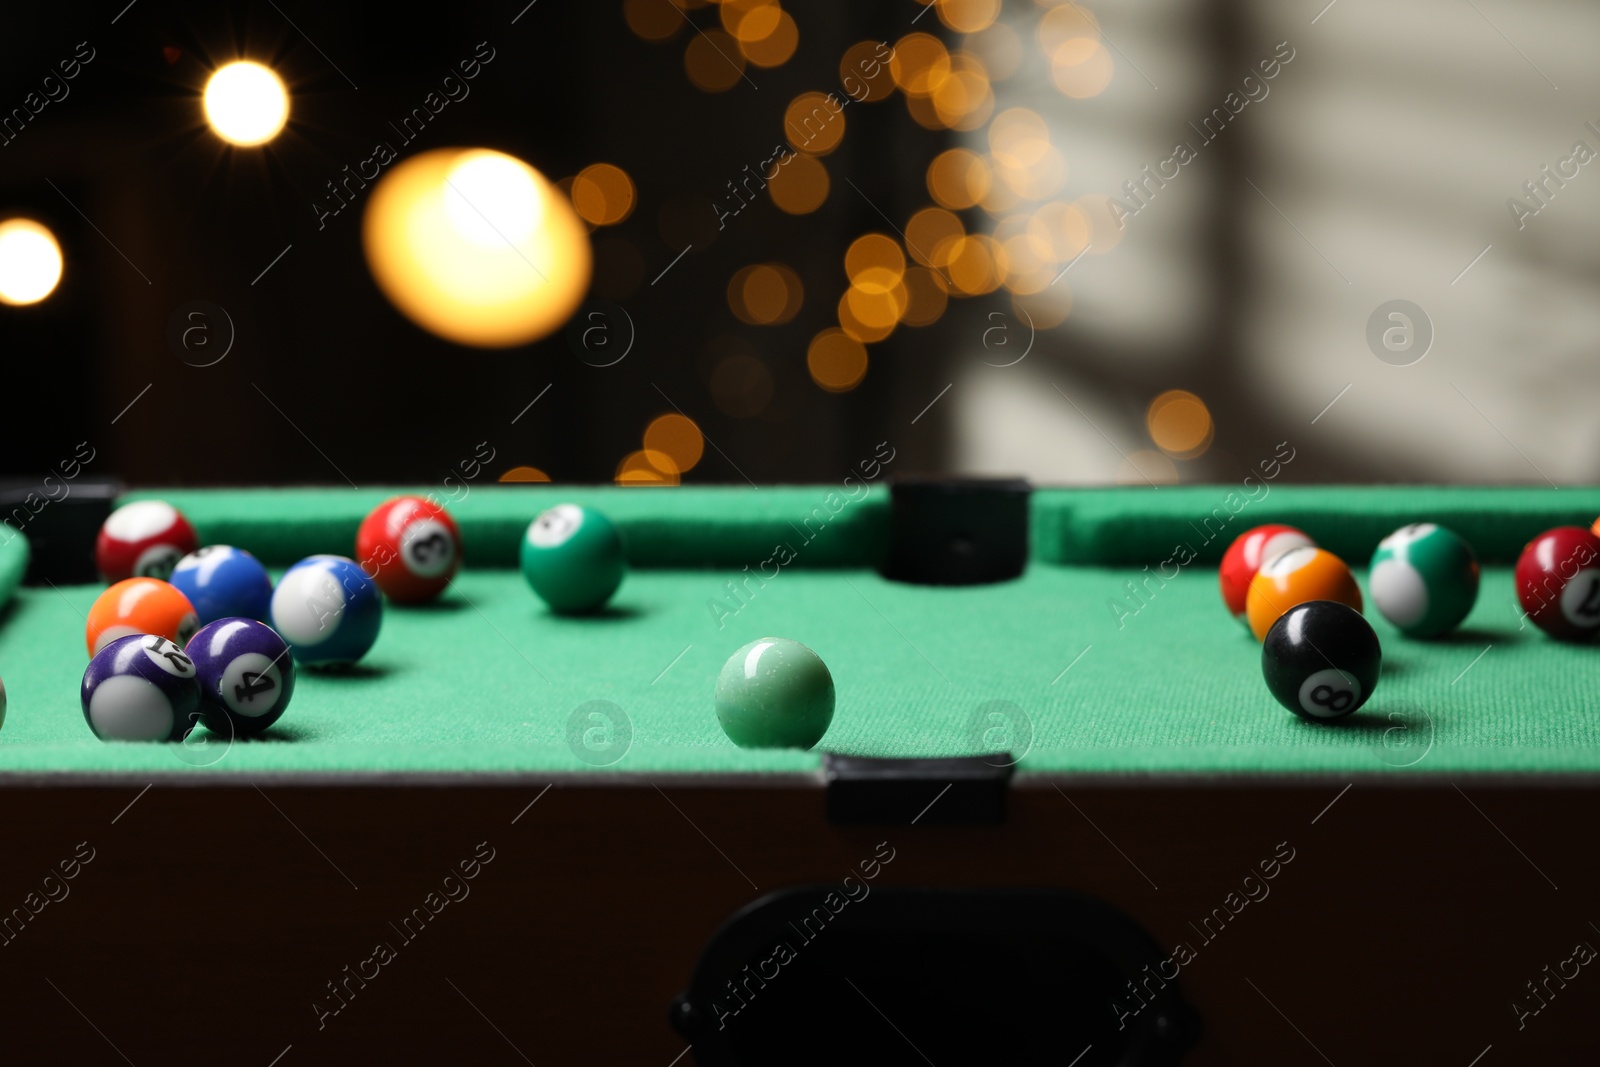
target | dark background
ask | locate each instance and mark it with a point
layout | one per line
(378, 398)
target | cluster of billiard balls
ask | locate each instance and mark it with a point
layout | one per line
(186, 634)
(1319, 655)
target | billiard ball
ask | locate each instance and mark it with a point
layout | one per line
(1245, 556)
(144, 539)
(1321, 659)
(141, 688)
(246, 675)
(1424, 579)
(774, 693)
(572, 557)
(2, 703)
(139, 606)
(1558, 582)
(411, 547)
(328, 610)
(1294, 577)
(223, 582)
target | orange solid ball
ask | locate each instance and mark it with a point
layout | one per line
(140, 606)
(1298, 575)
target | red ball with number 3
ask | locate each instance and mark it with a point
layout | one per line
(411, 547)
(1558, 582)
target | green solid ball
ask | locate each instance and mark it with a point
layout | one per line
(775, 693)
(1424, 579)
(572, 557)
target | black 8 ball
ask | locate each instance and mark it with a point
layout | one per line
(1321, 659)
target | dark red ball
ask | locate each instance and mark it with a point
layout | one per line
(1558, 582)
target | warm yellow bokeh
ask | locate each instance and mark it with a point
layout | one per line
(524, 474)
(968, 16)
(814, 123)
(800, 185)
(603, 194)
(30, 262)
(931, 235)
(652, 19)
(676, 437)
(1180, 424)
(920, 62)
(864, 72)
(927, 294)
(713, 61)
(765, 294)
(1081, 67)
(246, 103)
(836, 360)
(477, 247)
(776, 47)
(958, 178)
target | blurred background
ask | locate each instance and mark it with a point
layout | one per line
(672, 241)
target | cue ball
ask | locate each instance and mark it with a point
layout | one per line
(572, 557)
(223, 582)
(1424, 579)
(246, 676)
(1321, 659)
(411, 547)
(1558, 582)
(144, 539)
(774, 693)
(328, 610)
(141, 688)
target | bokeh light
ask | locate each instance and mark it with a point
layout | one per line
(676, 437)
(958, 178)
(776, 47)
(920, 62)
(524, 474)
(647, 467)
(246, 103)
(836, 360)
(713, 61)
(813, 123)
(1180, 424)
(931, 235)
(800, 186)
(977, 265)
(1061, 24)
(968, 16)
(765, 294)
(1081, 67)
(476, 246)
(652, 19)
(30, 262)
(864, 72)
(603, 194)
(750, 20)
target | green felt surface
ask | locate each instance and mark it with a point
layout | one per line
(682, 526)
(487, 680)
(1139, 525)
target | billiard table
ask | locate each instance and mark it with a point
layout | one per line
(1055, 816)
